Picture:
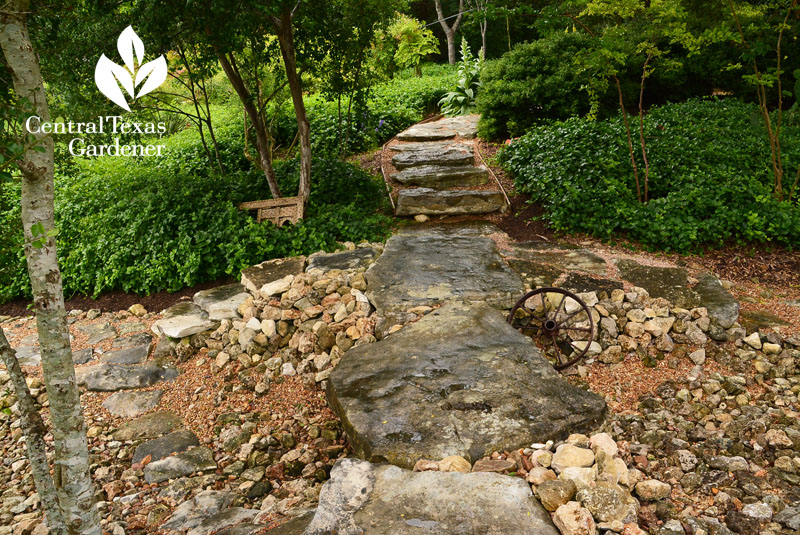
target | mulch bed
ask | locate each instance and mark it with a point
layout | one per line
(118, 300)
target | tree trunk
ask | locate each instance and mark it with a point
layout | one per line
(34, 429)
(262, 138)
(71, 461)
(450, 31)
(283, 26)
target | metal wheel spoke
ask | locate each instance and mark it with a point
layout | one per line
(562, 322)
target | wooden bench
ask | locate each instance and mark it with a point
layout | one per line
(279, 211)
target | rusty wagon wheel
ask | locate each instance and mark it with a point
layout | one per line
(559, 322)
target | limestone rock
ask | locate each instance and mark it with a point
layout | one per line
(387, 500)
(449, 202)
(254, 277)
(107, 377)
(344, 260)
(161, 447)
(132, 404)
(222, 302)
(437, 264)
(460, 381)
(572, 519)
(148, 426)
(194, 460)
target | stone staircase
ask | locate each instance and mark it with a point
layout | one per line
(436, 171)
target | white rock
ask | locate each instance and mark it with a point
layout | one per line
(277, 287)
(181, 326)
(754, 341)
(572, 519)
(604, 442)
(582, 477)
(594, 347)
(698, 357)
(268, 328)
(288, 369)
(254, 324)
(652, 490)
(568, 455)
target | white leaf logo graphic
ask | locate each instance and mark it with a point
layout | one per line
(154, 72)
(109, 76)
(129, 43)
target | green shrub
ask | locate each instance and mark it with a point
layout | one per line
(391, 107)
(533, 82)
(133, 227)
(710, 179)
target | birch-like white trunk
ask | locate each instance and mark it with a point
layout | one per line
(35, 430)
(71, 460)
(450, 31)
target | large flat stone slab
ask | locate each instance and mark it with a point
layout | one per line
(466, 126)
(460, 381)
(432, 265)
(442, 154)
(563, 258)
(148, 426)
(385, 500)
(433, 131)
(130, 355)
(132, 404)
(222, 302)
(107, 377)
(360, 257)
(671, 283)
(161, 447)
(197, 459)
(452, 202)
(182, 326)
(442, 177)
(254, 277)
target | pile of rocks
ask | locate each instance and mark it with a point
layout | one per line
(297, 323)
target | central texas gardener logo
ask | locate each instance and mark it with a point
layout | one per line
(109, 76)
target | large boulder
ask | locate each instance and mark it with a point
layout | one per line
(148, 426)
(460, 381)
(385, 500)
(161, 447)
(433, 265)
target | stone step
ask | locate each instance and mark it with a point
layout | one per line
(442, 177)
(446, 154)
(426, 266)
(458, 202)
(427, 132)
(380, 500)
(460, 381)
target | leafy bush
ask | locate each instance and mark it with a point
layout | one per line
(533, 82)
(131, 226)
(391, 108)
(461, 101)
(710, 178)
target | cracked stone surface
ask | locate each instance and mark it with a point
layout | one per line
(460, 381)
(344, 260)
(222, 302)
(442, 177)
(385, 500)
(433, 265)
(451, 202)
(107, 377)
(435, 154)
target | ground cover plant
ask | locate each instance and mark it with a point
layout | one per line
(710, 177)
